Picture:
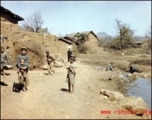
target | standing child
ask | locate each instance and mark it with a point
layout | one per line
(51, 62)
(22, 73)
(26, 59)
(71, 74)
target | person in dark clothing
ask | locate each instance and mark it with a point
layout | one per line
(26, 59)
(69, 54)
(134, 69)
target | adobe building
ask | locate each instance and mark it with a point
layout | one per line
(9, 21)
(92, 43)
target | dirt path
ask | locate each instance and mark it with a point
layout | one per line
(47, 97)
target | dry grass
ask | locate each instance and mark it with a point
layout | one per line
(35, 52)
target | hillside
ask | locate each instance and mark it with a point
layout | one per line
(36, 44)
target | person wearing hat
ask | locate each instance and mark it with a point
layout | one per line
(4, 58)
(23, 56)
(50, 61)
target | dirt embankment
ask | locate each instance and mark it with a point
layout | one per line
(142, 62)
(122, 62)
(36, 44)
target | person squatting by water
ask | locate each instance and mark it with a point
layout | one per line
(23, 66)
(51, 62)
(110, 66)
(134, 69)
(71, 74)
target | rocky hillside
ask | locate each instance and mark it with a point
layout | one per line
(36, 44)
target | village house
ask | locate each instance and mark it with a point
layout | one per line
(141, 42)
(9, 21)
(92, 43)
(71, 39)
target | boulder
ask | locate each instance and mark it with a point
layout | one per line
(143, 75)
(98, 67)
(44, 67)
(112, 95)
(134, 104)
(116, 76)
(129, 75)
(122, 54)
(58, 64)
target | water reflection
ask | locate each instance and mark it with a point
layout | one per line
(144, 90)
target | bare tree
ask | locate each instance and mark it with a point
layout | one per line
(33, 23)
(124, 34)
(104, 38)
(43, 30)
(60, 35)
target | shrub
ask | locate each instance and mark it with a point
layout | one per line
(82, 48)
(35, 52)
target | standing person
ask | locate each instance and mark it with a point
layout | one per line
(69, 54)
(71, 74)
(21, 57)
(4, 58)
(134, 68)
(51, 62)
(22, 72)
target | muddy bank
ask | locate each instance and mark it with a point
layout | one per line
(142, 62)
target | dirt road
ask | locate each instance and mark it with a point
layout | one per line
(48, 98)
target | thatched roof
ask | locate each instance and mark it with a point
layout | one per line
(88, 32)
(71, 35)
(65, 40)
(70, 39)
(11, 13)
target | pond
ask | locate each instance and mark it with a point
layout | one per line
(143, 90)
(142, 87)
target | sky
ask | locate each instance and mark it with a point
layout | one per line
(64, 17)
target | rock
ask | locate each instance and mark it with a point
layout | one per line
(105, 97)
(44, 67)
(145, 76)
(129, 75)
(98, 67)
(121, 77)
(58, 64)
(137, 75)
(135, 104)
(117, 76)
(122, 54)
(112, 95)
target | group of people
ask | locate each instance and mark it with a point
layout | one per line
(23, 62)
(131, 67)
